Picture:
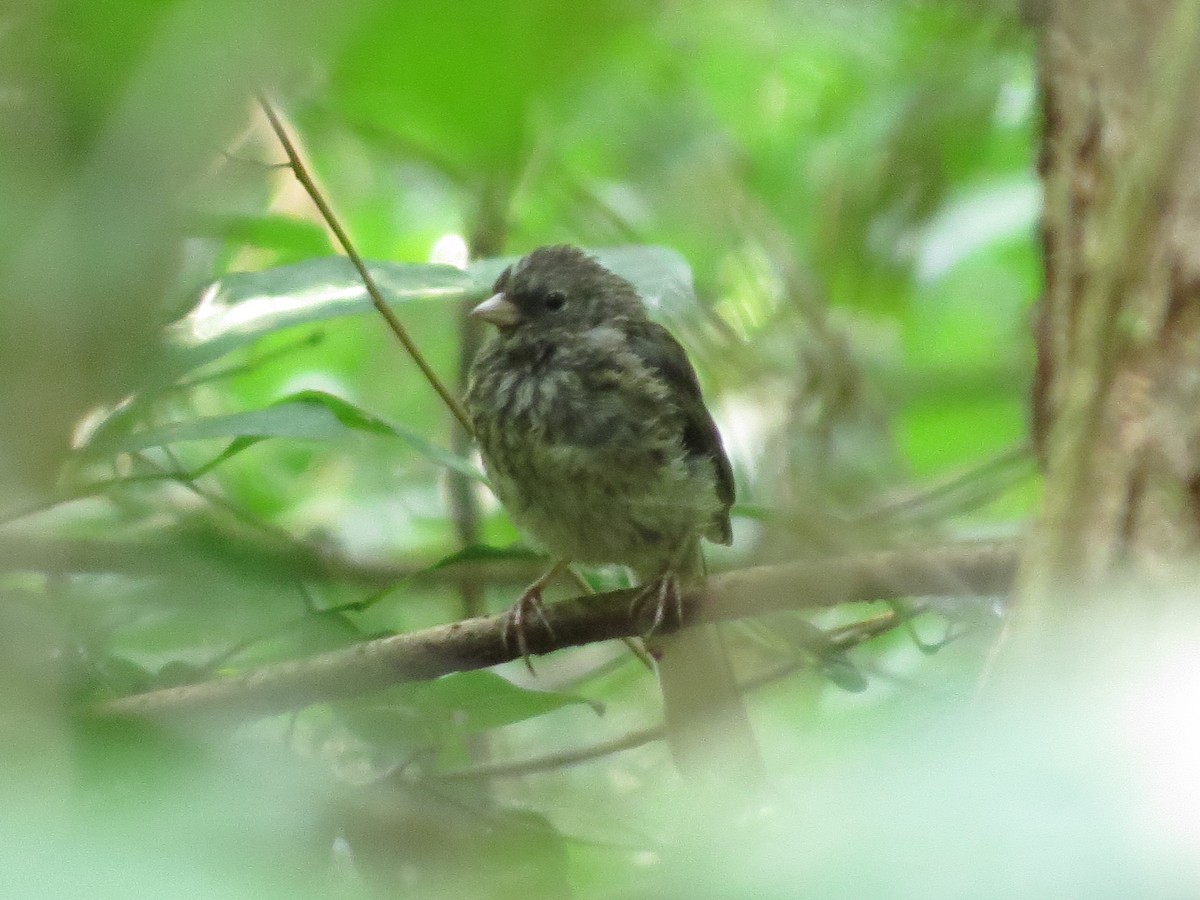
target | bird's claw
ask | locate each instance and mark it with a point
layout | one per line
(666, 597)
(516, 621)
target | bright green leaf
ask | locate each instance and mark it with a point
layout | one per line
(245, 306)
(295, 237)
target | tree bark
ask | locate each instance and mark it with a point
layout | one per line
(1116, 405)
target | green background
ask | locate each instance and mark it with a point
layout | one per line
(215, 455)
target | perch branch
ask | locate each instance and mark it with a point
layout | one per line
(969, 569)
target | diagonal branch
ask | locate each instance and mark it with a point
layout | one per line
(965, 569)
(305, 178)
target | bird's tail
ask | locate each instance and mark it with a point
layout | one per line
(708, 729)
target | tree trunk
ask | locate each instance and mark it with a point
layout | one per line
(1116, 406)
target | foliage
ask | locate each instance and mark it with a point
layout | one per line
(833, 206)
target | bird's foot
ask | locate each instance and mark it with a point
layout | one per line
(516, 620)
(667, 598)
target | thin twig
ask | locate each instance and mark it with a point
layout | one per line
(305, 179)
(563, 759)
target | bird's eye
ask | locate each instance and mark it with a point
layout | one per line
(555, 300)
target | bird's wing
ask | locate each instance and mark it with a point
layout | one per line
(659, 351)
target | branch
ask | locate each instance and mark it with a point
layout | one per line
(966, 569)
(303, 176)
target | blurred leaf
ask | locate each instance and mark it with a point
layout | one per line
(827, 657)
(178, 672)
(478, 701)
(987, 215)
(295, 238)
(428, 713)
(389, 722)
(326, 630)
(236, 446)
(243, 307)
(304, 421)
(306, 415)
(317, 632)
(121, 676)
(843, 673)
(526, 856)
(802, 634)
(464, 77)
(487, 553)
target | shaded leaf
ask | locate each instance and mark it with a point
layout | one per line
(842, 672)
(235, 447)
(427, 713)
(306, 415)
(287, 420)
(486, 553)
(120, 675)
(482, 700)
(422, 715)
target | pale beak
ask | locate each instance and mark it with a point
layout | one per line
(498, 310)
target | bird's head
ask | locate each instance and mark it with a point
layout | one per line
(558, 288)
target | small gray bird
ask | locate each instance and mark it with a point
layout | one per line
(594, 432)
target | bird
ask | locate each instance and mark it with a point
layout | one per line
(596, 438)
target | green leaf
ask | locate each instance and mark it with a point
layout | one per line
(430, 713)
(284, 234)
(842, 672)
(120, 675)
(486, 553)
(307, 415)
(288, 420)
(463, 77)
(235, 447)
(353, 417)
(243, 307)
(828, 658)
(389, 722)
(477, 701)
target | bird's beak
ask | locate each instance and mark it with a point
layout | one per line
(498, 310)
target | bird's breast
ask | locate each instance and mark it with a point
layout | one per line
(588, 459)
